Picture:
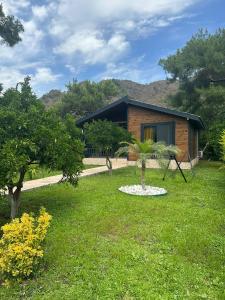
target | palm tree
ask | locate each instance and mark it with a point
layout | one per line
(145, 150)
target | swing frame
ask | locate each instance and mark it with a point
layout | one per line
(173, 157)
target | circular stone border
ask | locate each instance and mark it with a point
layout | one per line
(137, 190)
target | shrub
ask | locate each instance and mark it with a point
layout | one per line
(105, 137)
(222, 143)
(21, 246)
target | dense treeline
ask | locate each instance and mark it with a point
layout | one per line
(200, 69)
(82, 98)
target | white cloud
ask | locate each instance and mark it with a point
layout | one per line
(83, 41)
(41, 78)
(44, 75)
(28, 57)
(100, 31)
(124, 15)
(103, 11)
(40, 12)
(32, 37)
(14, 6)
(25, 50)
(82, 33)
(9, 76)
(93, 47)
(71, 68)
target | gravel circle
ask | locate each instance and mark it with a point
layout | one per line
(137, 190)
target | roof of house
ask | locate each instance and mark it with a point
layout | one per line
(127, 101)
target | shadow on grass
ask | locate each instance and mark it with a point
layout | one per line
(58, 200)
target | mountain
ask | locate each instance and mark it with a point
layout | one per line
(154, 93)
(52, 97)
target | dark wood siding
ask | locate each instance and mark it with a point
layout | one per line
(193, 141)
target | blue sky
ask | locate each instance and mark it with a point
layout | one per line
(99, 39)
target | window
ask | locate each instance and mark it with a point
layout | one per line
(150, 133)
(159, 132)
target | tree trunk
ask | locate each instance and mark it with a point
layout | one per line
(143, 166)
(109, 164)
(14, 199)
(14, 196)
(14, 208)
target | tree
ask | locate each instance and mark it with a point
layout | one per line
(199, 68)
(85, 97)
(222, 143)
(52, 98)
(10, 29)
(29, 135)
(104, 136)
(144, 151)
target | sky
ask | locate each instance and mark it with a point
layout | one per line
(100, 39)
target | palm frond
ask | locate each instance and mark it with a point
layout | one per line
(122, 151)
(145, 150)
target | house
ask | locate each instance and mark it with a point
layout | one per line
(147, 121)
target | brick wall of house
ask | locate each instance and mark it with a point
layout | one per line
(138, 116)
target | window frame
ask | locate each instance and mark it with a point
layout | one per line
(169, 123)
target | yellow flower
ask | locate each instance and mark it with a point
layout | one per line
(20, 245)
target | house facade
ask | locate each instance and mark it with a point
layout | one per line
(147, 121)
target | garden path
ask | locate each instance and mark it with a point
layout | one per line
(36, 183)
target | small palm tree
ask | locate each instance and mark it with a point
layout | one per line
(145, 150)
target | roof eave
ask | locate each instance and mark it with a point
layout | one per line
(140, 104)
(101, 110)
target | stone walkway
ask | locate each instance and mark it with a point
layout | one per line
(32, 184)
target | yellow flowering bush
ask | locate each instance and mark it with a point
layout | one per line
(21, 245)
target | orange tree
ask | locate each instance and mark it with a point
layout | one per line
(29, 134)
(105, 136)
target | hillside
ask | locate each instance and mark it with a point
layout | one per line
(154, 93)
(52, 97)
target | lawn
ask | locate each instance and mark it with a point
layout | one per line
(104, 244)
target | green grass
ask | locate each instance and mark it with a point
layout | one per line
(104, 244)
(91, 166)
(42, 172)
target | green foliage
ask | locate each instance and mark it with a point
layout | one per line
(212, 135)
(200, 60)
(104, 244)
(145, 150)
(105, 136)
(82, 98)
(199, 67)
(10, 29)
(21, 246)
(35, 171)
(52, 98)
(29, 134)
(222, 142)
